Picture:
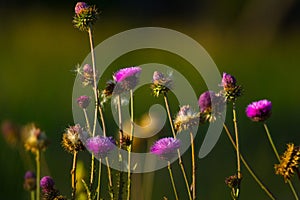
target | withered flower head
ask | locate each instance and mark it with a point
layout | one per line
(35, 139)
(186, 118)
(289, 162)
(71, 139)
(161, 83)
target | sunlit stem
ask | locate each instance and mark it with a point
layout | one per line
(193, 166)
(32, 195)
(38, 173)
(73, 173)
(178, 151)
(248, 167)
(172, 180)
(278, 158)
(99, 180)
(129, 148)
(236, 142)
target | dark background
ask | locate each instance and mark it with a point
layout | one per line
(257, 41)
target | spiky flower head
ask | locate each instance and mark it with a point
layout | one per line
(231, 90)
(29, 181)
(71, 139)
(48, 191)
(85, 16)
(165, 148)
(126, 79)
(86, 75)
(100, 145)
(211, 106)
(35, 139)
(161, 83)
(47, 183)
(259, 111)
(106, 94)
(186, 118)
(289, 162)
(83, 101)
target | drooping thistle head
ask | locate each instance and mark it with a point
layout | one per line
(71, 141)
(100, 145)
(259, 111)
(35, 139)
(29, 181)
(289, 162)
(231, 90)
(165, 148)
(161, 83)
(126, 79)
(186, 118)
(85, 16)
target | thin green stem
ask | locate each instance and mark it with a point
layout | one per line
(268, 192)
(178, 151)
(193, 166)
(129, 149)
(32, 195)
(236, 142)
(73, 173)
(99, 180)
(172, 180)
(111, 194)
(278, 158)
(38, 173)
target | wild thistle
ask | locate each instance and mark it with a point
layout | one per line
(289, 162)
(35, 141)
(30, 183)
(71, 143)
(260, 111)
(166, 149)
(231, 90)
(85, 16)
(187, 118)
(48, 190)
(83, 101)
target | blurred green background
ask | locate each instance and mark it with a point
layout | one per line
(257, 41)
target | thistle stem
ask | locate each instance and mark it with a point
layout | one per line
(237, 143)
(193, 166)
(73, 173)
(248, 167)
(278, 158)
(38, 173)
(32, 195)
(99, 180)
(129, 149)
(111, 194)
(178, 151)
(172, 180)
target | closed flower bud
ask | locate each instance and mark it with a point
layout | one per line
(231, 90)
(161, 83)
(85, 16)
(29, 181)
(83, 101)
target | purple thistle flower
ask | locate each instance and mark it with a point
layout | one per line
(204, 101)
(29, 181)
(81, 6)
(165, 148)
(100, 145)
(87, 69)
(259, 111)
(47, 184)
(125, 73)
(228, 81)
(83, 101)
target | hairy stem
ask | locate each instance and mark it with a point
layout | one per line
(268, 192)
(73, 173)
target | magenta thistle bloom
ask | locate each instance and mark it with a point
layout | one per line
(204, 101)
(228, 81)
(80, 7)
(125, 73)
(259, 111)
(165, 148)
(83, 101)
(100, 145)
(47, 183)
